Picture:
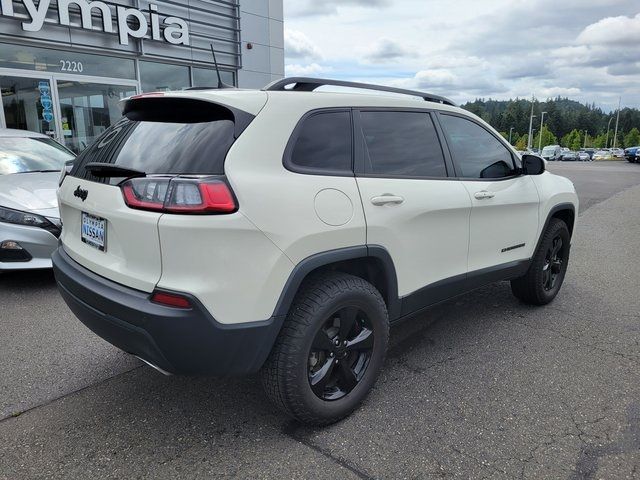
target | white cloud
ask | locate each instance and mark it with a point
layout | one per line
(449, 84)
(558, 92)
(386, 50)
(298, 45)
(297, 70)
(588, 50)
(611, 31)
(306, 8)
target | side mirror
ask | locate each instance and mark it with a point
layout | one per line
(532, 164)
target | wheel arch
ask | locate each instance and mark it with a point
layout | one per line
(371, 262)
(563, 211)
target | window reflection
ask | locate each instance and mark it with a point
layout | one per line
(162, 76)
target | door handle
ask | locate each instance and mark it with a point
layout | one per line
(387, 199)
(484, 194)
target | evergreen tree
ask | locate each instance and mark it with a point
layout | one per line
(562, 117)
(632, 139)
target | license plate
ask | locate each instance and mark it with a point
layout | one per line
(94, 231)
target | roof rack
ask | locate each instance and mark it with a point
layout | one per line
(308, 84)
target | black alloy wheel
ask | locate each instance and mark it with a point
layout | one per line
(340, 353)
(330, 349)
(542, 281)
(553, 263)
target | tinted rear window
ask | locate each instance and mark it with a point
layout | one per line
(158, 143)
(323, 144)
(402, 144)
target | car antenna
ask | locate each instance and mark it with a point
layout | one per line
(221, 84)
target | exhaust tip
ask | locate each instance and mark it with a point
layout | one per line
(155, 367)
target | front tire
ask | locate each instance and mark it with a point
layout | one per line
(543, 280)
(330, 350)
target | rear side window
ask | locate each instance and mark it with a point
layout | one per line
(477, 153)
(402, 144)
(322, 144)
(188, 141)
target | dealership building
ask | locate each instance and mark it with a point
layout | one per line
(66, 64)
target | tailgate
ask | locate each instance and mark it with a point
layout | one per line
(159, 135)
(131, 253)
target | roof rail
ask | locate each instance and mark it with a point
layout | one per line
(308, 84)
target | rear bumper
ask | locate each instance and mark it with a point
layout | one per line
(184, 341)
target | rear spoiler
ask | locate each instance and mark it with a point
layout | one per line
(158, 107)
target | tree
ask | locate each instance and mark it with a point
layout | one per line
(632, 139)
(563, 116)
(548, 138)
(599, 141)
(521, 143)
(572, 140)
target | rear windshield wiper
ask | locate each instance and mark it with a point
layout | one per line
(39, 171)
(106, 170)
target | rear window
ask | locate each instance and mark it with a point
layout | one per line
(322, 144)
(402, 144)
(192, 140)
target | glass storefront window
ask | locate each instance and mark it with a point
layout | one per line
(204, 77)
(28, 104)
(59, 61)
(87, 110)
(162, 76)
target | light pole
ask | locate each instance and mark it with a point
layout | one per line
(606, 143)
(530, 125)
(615, 135)
(510, 132)
(541, 123)
(585, 139)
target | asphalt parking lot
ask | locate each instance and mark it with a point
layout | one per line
(478, 387)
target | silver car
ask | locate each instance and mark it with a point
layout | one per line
(30, 167)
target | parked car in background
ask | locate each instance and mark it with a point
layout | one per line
(617, 152)
(552, 153)
(30, 166)
(569, 156)
(632, 154)
(590, 151)
(602, 155)
(583, 156)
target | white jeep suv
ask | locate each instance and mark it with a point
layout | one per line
(283, 231)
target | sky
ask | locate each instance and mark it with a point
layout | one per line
(586, 50)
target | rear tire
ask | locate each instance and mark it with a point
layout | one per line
(543, 280)
(329, 308)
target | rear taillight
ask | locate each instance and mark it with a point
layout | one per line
(179, 195)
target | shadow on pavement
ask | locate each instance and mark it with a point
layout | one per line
(24, 279)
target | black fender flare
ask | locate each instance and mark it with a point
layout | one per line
(555, 209)
(313, 262)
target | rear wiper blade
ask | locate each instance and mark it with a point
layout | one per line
(39, 171)
(106, 170)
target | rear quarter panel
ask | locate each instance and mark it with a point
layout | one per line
(226, 262)
(282, 203)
